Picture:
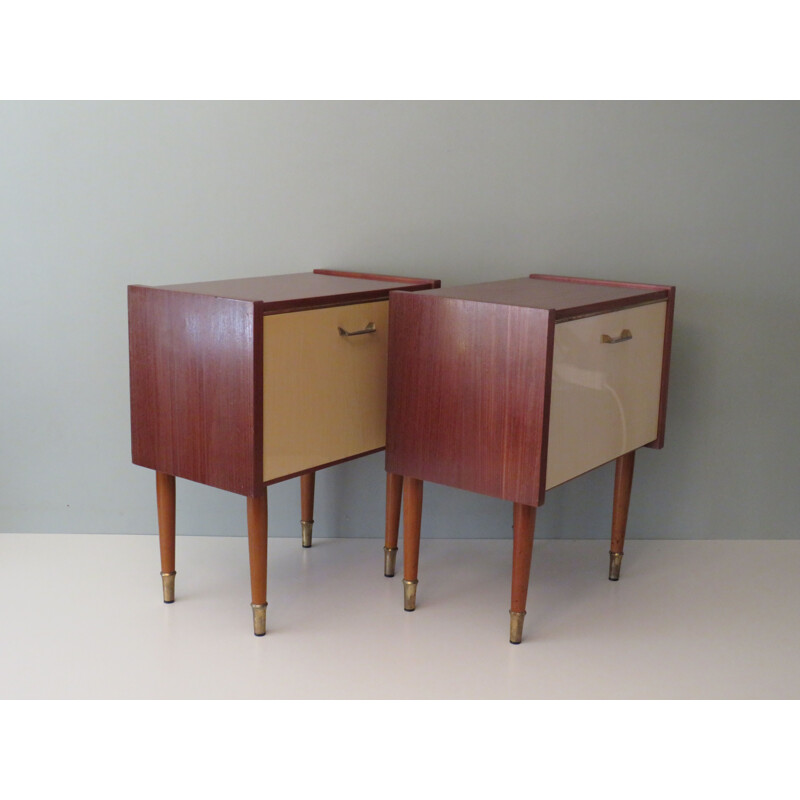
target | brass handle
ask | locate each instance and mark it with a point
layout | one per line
(623, 337)
(369, 329)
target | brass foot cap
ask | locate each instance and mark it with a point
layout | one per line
(306, 532)
(168, 585)
(517, 620)
(410, 595)
(389, 561)
(259, 618)
(614, 565)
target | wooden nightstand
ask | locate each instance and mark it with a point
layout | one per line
(513, 387)
(243, 383)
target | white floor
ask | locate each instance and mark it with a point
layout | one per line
(83, 618)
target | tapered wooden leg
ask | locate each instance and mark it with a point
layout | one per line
(307, 506)
(394, 496)
(623, 481)
(412, 521)
(165, 500)
(257, 539)
(524, 523)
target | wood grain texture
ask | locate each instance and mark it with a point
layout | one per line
(567, 299)
(257, 526)
(421, 283)
(598, 282)
(165, 502)
(468, 396)
(195, 376)
(412, 526)
(307, 483)
(623, 481)
(196, 363)
(279, 293)
(394, 497)
(524, 523)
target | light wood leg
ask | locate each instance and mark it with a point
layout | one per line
(165, 501)
(524, 524)
(412, 521)
(623, 480)
(307, 482)
(394, 497)
(257, 539)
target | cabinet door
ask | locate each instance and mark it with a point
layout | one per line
(324, 392)
(606, 388)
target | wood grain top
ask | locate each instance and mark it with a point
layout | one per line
(304, 289)
(567, 297)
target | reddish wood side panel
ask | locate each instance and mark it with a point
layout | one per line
(665, 362)
(468, 402)
(195, 372)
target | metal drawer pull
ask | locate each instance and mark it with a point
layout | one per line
(623, 337)
(369, 329)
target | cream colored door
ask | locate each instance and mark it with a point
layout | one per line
(324, 392)
(605, 394)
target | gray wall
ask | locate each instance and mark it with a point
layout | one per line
(94, 196)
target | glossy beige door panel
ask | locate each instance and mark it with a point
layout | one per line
(606, 388)
(324, 393)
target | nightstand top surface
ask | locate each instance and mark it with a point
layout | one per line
(303, 289)
(567, 297)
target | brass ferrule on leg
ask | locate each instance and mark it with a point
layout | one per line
(410, 595)
(168, 585)
(517, 620)
(306, 528)
(389, 561)
(259, 618)
(614, 565)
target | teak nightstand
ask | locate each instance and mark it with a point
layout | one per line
(243, 383)
(513, 387)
